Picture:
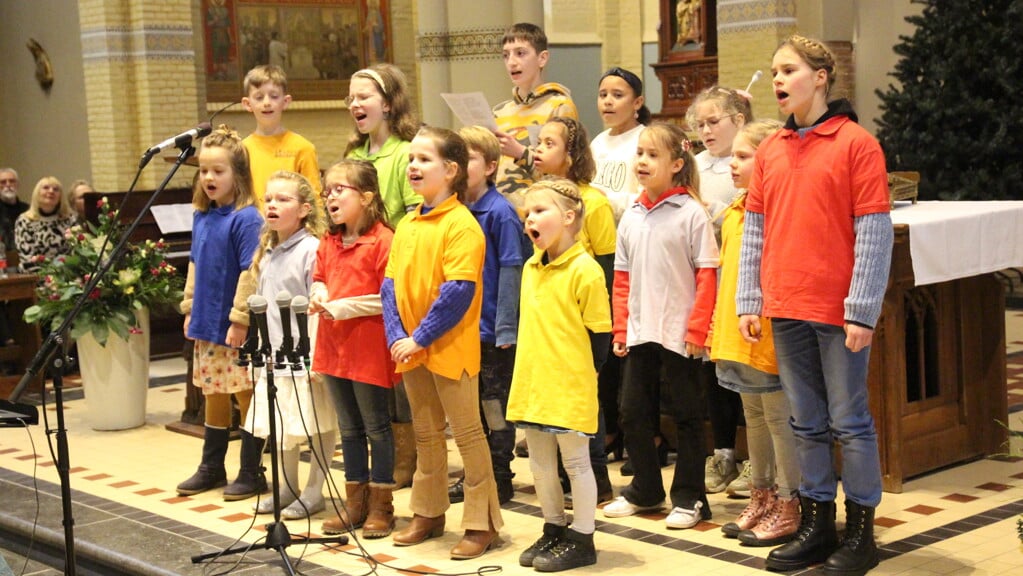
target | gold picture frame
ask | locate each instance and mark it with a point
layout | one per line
(319, 43)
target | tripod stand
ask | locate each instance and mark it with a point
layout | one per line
(51, 352)
(277, 536)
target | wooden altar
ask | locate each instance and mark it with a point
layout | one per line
(937, 369)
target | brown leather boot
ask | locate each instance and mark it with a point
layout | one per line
(778, 525)
(421, 528)
(380, 520)
(404, 453)
(473, 544)
(353, 513)
(761, 500)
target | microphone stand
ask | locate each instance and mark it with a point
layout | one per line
(277, 536)
(56, 341)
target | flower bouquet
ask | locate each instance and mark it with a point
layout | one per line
(142, 279)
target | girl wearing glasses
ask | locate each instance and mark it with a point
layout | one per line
(351, 350)
(716, 116)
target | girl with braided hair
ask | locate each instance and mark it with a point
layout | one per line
(563, 151)
(816, 249)
(564, 324)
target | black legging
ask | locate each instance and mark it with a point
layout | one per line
(723, 406)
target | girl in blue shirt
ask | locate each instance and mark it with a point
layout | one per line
(225, 235)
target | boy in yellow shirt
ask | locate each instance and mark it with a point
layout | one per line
(271, 146)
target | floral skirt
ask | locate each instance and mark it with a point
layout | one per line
(303, 408)
(214, 369)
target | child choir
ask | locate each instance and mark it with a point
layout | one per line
(585, 283)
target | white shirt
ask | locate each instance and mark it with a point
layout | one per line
(662, 249)
(616, 162)
(716, 187)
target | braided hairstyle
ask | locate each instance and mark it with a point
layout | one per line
(727, 100)
(565, 194)
(581, 165)
(815, 53)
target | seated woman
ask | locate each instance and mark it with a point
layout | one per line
(39, 232)
(77, 192)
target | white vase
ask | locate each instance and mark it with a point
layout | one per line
(115, 378)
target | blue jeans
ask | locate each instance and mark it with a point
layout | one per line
(495, 377)
(362, 413)
(826, 385)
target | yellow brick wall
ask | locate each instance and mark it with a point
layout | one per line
(748, 34)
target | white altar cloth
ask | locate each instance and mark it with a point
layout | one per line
(949, 240)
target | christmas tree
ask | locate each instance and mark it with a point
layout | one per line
(956, 115)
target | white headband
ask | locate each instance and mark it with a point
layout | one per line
(376, 78)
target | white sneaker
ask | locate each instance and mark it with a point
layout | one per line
(719, 472)
(740, 487)
(681, 518)
(620, 508)
(300, 508)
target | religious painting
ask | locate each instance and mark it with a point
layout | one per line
(318, 43)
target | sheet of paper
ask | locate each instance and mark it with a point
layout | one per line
(171, 218)
(471, 108)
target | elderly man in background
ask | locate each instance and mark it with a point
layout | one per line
(10, 208)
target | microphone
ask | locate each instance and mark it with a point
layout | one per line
(287, 343)
(181, 140)
(300, 304)
(257, 307)
(756, 76)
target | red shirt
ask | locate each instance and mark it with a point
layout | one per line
(810, 190)
(356, 348)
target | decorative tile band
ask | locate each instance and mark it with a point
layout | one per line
(148, 43)
(733, 12)
(758, 25)
(464, 45)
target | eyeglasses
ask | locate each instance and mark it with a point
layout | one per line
(8, 181)
(336, 190)
(350, 99)
(712, 122)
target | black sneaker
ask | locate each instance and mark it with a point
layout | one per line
(552, 533)
(456, 492)
(574, 550)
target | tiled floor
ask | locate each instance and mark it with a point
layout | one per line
(960, 520)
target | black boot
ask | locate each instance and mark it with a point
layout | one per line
(505, 490)
(211, 472)
(552, 534)
(251, 480)
(858, 552)
(815, 540)
(574, 550)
